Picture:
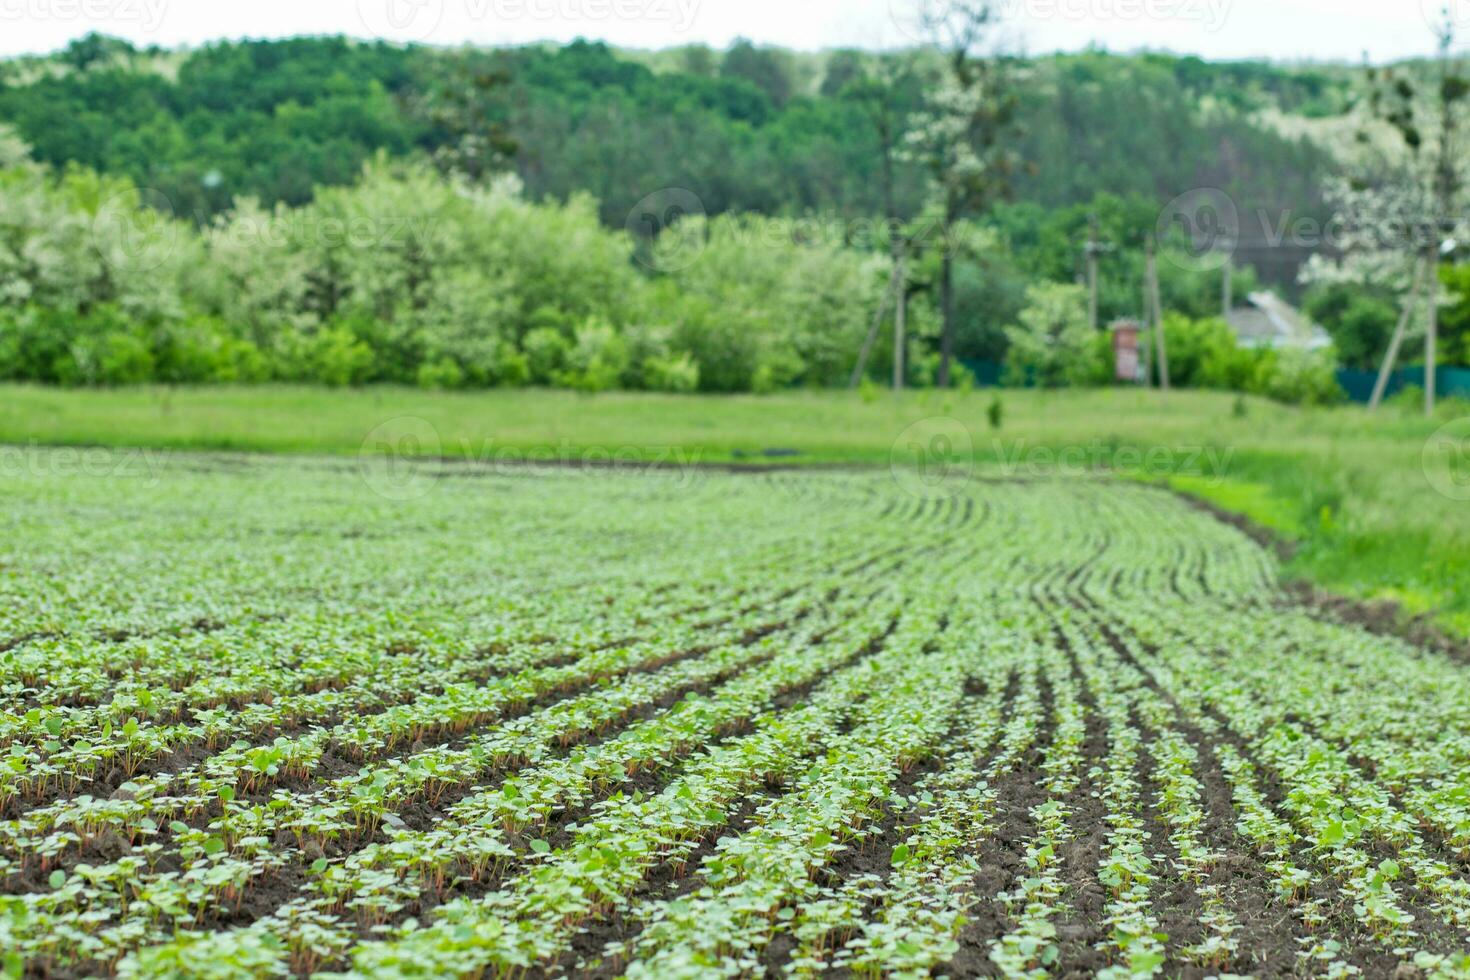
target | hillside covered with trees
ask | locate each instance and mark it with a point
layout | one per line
(817, 153)
(751, 129)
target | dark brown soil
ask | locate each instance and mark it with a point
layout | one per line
(1080, 928)
(1017, 793)
(586, 957)
(870, 855)
(1268, 931)
(1358, 948)
(1381, 617)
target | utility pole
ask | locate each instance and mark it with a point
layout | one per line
(1157, 309)
(900, 314)
(1447, 187)
(1145, 350)
(1431, 337)
(1380, 387)
(1093, 249)
(1228, 287)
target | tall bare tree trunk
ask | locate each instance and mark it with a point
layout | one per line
(1146, 323)
(946, 302)
(900, 324)
(1158, 316)
(1092, 249)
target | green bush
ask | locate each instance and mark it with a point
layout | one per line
(333, 357)
(444, 373)
(201, 350)
(763, 303)
(1204, 353)
(597, 361)
(189, 352)
(675, 372)
(776, 369)
(1298, 377)
(546, 354)
(1361, 321)
(30, 345)
(241, 362)
(1053, 344)
(512, 367)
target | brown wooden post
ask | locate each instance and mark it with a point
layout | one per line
(1092, 250)
(1158, 316)
(1380, 387)
(900, 322)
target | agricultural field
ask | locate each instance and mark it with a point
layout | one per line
(263, 718)
(1368, 508)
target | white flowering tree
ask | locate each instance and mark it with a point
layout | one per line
(965, 135)
(1405, 205)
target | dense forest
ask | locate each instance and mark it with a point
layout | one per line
(238, 129)
(750, 129)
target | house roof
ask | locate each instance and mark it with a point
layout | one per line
(1272, 322)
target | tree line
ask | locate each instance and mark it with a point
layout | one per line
(836, 138)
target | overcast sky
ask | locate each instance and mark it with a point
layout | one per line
(1282, 29)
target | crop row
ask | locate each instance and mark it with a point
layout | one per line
(623, 724)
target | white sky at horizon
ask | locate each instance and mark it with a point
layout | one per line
(1291, 30)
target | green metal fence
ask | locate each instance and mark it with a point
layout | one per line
(1449, 381)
